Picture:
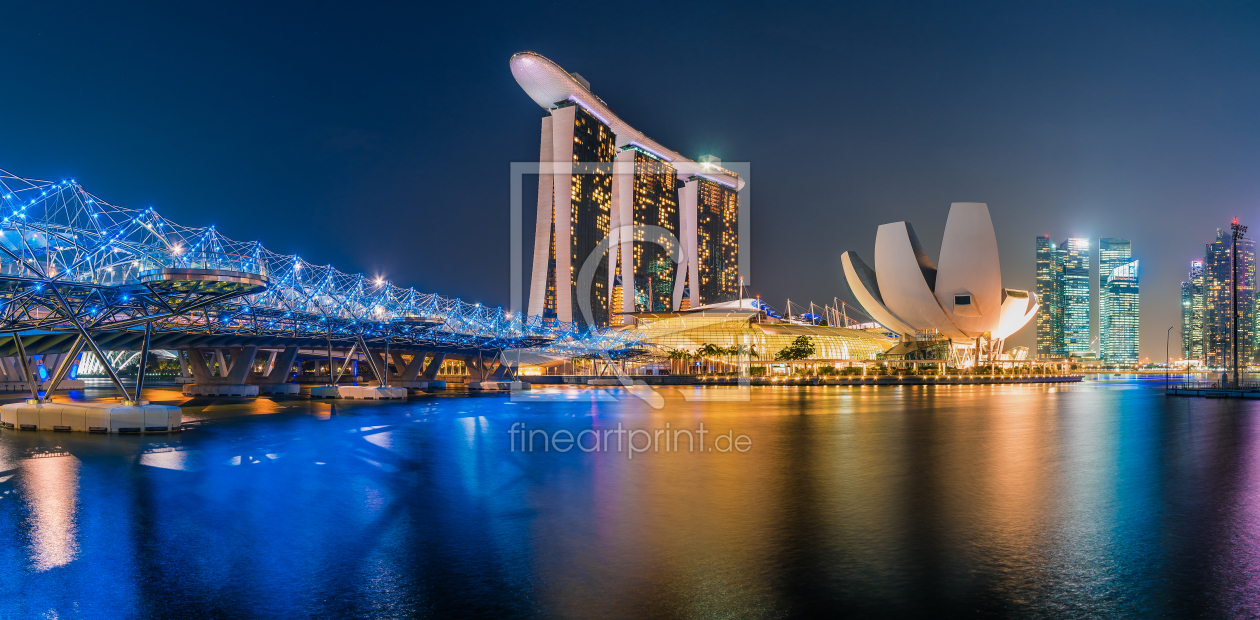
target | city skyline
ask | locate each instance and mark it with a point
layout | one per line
(1065, 279)
(1057, 127)
(451, 310)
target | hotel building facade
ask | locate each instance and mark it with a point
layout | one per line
(652, 230)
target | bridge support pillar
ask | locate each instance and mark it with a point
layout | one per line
(429, 375)
(185, 375)
(232, 374)
(435, 364)
(12, 380)
(495, 374)
(409, 373)
(276, 378)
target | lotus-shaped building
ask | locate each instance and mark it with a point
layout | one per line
(961, 299)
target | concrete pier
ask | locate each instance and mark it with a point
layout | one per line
(91, 417)
(416, 385)
(22, 386)
(366, 392)
(216, 389)
(497, 386)
(1215, 392)
(278, 389)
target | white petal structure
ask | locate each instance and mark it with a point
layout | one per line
(1018, 308)
(907, 277)
(963, 298)
(969, 271)
(865, 285)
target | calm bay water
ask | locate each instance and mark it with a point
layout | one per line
(1106, 498)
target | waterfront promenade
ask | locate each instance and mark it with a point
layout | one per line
(607, 380)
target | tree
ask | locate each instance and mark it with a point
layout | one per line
(680, 356)
(710, 350)
(799, 349)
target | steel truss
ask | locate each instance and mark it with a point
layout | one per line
(72, 262)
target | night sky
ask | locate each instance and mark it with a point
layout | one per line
(378, 138)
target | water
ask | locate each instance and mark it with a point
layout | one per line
(1103, 499)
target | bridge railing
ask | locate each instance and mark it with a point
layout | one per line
(153, 261)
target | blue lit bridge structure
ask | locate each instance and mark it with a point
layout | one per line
(78, 273)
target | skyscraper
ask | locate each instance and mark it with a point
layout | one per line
(1050, 294)
(574, 205)
(1119, 331)
(601, 180)
(1218, 301)
(1112, 253)
(717, 230)
(653, 197)
(1193, 307)
(1076, 298)
(1063, 288)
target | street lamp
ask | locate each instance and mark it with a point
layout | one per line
(1167, 360)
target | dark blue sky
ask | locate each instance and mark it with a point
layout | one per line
(378, 137)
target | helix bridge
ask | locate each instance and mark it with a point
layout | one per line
(78, 273)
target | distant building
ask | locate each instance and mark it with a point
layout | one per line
(602, 179)
(1218, 301)
(1112, 253)
(1076, 297)
(1193, 307)
(1119, 332)
(1050, 293)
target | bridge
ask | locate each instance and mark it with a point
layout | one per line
(80, 274)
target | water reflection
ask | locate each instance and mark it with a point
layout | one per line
(1106, 498)
(49, 486)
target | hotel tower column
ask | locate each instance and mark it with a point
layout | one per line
(621, 247)
(688, 268)
(543, 228)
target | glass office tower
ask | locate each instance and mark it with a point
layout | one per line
(1218, 301)
(1077, 261)
(1120, 329)
(1193, 309)
(1112, 253)
(1050, 295)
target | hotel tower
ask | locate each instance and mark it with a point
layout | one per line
(602, 181)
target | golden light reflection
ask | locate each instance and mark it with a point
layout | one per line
(1014, 508)
(648, 533)
(50, 487)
